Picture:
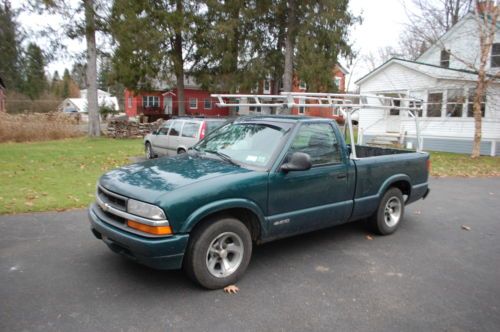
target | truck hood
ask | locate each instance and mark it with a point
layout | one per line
(147, 180)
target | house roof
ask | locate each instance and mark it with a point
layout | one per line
(426, 69)
(447, 34)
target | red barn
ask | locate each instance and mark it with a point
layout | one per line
(164, 102)
(267, 86)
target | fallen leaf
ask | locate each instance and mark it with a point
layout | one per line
(231, 289)
(321, 268)
(368, 237)
(467, 228)
(28, 203)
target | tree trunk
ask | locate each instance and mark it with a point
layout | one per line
(289, 47)
(478, 98)
(179, 62)
(92, 106)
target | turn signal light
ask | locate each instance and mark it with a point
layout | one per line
(156, 230)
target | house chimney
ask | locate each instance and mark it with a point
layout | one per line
(485, 6)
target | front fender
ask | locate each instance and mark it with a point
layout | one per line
(219, 206)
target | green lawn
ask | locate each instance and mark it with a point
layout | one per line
(57, 175)
(454, 164)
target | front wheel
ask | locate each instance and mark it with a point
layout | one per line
(218, 253)
(389, 213)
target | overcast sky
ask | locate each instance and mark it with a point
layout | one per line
(382, 25)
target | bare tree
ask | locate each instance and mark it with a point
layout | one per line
(428, 21)
(487, 26)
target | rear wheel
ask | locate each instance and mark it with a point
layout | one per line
(149, 151)
(218, 253)
(389, 213)
(181, 151)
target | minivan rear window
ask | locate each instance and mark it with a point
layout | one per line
(212, 125)
(190, 129)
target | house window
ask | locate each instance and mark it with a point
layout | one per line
(193, 103)
(395, 111)
(434, 103)
(495, 55)
(207, 104)
(454, 104)
(445, 59)
(129, 101)
(302, 85)
(150, 101)
(267, 86)
(417, 107)
(470, 103)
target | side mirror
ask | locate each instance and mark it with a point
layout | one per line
(298, 161)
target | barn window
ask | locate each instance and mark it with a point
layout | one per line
(455, 103)
(303, 85)
(495, 55)
(470, 103)
(445, 58)
(207, 104)
(434, 103)
(267, 86)
(150, 101)
(337, 82)
(193, 103)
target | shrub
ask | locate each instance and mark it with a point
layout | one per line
(37, 127)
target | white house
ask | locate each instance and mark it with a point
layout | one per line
(79, 105)
(444, 82)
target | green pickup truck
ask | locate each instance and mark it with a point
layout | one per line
(255, 179)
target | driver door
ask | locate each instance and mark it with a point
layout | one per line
(301, 201)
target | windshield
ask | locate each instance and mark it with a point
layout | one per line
(245, 143)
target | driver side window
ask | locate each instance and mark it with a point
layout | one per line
(319, 141)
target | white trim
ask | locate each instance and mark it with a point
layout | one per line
(196, 101)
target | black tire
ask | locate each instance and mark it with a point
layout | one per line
(389, 214)
(198, 257)
(181, 151)
(149, 151)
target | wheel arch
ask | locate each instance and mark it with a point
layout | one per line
(400, 181)
(246, 211)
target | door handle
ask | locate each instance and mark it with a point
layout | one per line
(341, 176)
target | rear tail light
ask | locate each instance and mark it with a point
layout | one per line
(428, 165)
(203, 129)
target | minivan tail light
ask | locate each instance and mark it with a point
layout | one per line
(203, 129)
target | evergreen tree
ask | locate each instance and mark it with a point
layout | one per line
(36, 82)
(66, 84)
(155, 40)
(104, 78)
(78, 74)
(9, 47)
(55, 85)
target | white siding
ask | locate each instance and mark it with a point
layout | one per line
(463, 42)
(396, 77)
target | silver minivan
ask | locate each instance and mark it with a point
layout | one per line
(176, 136)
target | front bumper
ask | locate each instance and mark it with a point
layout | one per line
(164, 253)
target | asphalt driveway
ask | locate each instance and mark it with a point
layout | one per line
(431, 275)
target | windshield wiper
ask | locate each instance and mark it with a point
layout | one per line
(223, 156)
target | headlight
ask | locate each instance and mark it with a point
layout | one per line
(145, 210)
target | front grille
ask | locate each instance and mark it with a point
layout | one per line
(114, 200)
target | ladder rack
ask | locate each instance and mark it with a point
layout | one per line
(347, 103)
